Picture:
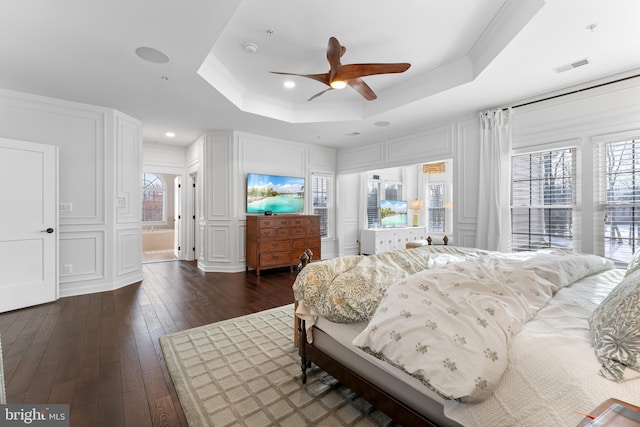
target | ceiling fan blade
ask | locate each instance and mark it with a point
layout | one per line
(322, 78)
(362, 88)
(351, 71)
(319, 93)
(334, 52)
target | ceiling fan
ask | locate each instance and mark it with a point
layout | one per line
(339, 76)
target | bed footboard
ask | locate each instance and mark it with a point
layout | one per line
(369, 391)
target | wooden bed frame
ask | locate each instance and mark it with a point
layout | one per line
(379, 398)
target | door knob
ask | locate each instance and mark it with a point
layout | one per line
(48, 230)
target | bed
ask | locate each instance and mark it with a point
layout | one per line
(533, 363)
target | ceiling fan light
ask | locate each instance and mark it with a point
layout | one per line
(338, 84)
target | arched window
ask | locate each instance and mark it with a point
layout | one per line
(153, 198)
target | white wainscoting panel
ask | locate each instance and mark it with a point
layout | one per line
(218, 166)
(128, 170)
(219, 244)
(361, 158)
(436, 144)
(467, 168)
(84, 252)
(129, 251)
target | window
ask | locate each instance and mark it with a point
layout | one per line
(322, 202)
(153, 198)
(543, 199)
(380, 190)
(619, 184)
(437, 181)
(436, 207)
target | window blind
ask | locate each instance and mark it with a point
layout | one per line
(543, 199)
(321, 202)
(436, 207)
(373, 204)
(617, 175)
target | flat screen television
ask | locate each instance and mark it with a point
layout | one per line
(393, 213)
(275, 193)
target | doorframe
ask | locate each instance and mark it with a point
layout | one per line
(50, 268)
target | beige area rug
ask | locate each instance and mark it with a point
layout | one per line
(246, 372)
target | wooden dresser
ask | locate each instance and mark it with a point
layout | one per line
(278, 240)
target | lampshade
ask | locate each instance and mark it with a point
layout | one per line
(338, 84)
(415, 204)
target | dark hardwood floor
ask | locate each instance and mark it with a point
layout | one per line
(100, 352)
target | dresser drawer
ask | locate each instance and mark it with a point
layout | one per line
(305, 222)
(283, 233)
(275, 245)
(275, 258)
(266, 222)
(305, 231)
(306, 243)
(281, 222)
(267, 232)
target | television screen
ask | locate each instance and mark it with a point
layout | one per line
(278, 194)
(393, 213)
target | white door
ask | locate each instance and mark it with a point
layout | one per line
(28, 224)
(177, 216)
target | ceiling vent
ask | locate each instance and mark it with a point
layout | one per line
(571, 66)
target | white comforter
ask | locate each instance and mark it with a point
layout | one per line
(552, 375)
(451, 327)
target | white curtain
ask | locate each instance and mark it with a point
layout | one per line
(493, 231)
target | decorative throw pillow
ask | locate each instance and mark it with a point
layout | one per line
(615, 329)
(634, 264)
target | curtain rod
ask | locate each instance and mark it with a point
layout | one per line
(573, 91)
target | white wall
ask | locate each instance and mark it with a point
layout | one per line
(99, 163)
(575, 120)
(581, 120)
(439, 143)
(223, 160)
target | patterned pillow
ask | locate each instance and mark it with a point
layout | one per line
(634, 264)
(615, 329)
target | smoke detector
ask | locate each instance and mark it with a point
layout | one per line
(251, 47)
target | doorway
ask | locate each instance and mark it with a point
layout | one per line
(28, 224)
(160, 217)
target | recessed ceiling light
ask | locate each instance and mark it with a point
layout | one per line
(152, 55)
(289, 84)
(382, 123)
(169, 134)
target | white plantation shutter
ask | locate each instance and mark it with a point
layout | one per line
(617, 175)
(543, 199)
(436, 208)
(322, 202)
(373, 204)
